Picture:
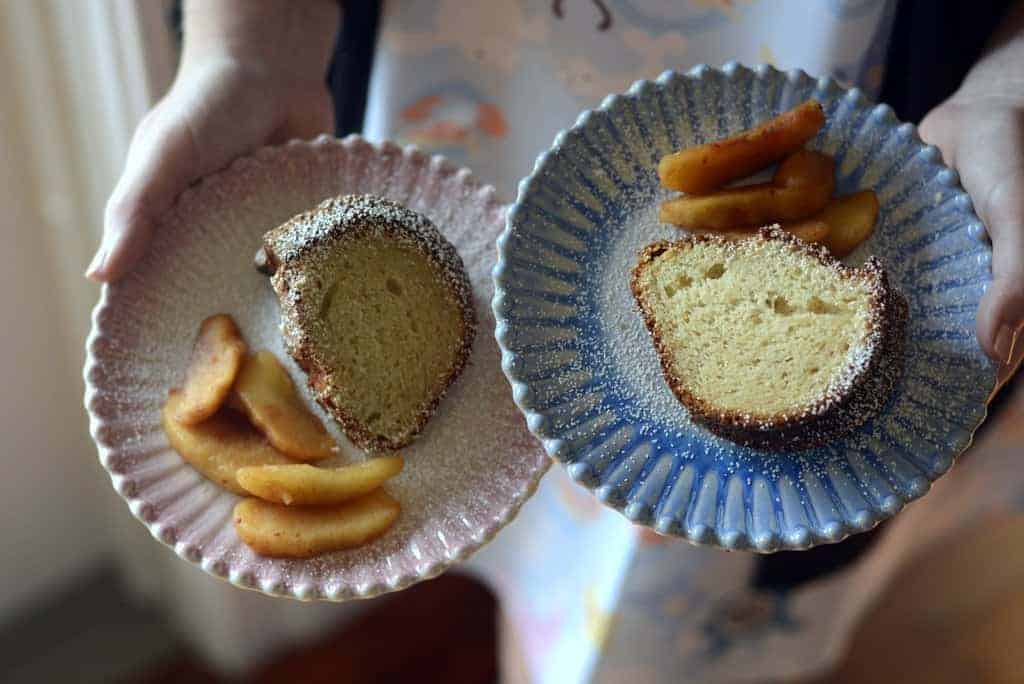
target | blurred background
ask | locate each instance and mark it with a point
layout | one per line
(87, 596)
(76, 78)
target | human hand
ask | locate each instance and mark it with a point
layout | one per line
(237, 88)
(983, 138)
(980, 131)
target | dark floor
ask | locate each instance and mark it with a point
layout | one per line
(439, 631)
(444, 631)
(91, 632)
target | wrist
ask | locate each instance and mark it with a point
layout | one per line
(274, 39)
(999, 75)
(993, 84)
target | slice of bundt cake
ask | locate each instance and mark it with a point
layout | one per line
(768, 341)
(376, 307)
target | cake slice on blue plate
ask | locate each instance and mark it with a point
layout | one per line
(769, 341)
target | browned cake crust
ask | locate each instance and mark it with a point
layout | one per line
(874, 369)
(286, 255)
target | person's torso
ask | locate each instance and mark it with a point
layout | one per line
(490, 84)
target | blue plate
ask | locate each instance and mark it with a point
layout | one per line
(583, 369)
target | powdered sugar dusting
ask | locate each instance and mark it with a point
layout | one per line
(302, 254)
(629, 353)
(366, 214)
(466, 475)
(859, 387)
(629, 358)
(603, 409)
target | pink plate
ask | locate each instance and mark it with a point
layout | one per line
(465, 477)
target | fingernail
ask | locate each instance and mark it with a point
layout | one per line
(1005, 342)
(97, 262)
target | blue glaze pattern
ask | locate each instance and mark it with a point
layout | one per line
(583, 369)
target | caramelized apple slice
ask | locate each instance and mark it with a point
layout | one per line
(282, 532)
(216, 358)
(703, 169)
(218, 446)
(851, 221)
(268, 396)
(305, 485)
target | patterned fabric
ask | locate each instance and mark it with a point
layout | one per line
(584, 594)
(489, 84)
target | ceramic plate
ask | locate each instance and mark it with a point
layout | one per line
(465, 477)
(583, 369)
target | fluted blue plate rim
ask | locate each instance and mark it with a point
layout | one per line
(575, 383)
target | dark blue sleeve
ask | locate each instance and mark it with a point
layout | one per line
(349, 75)
(934, 43)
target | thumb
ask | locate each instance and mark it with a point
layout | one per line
(162, 161)
(991, 168)
(940, 128)
(1001, 313)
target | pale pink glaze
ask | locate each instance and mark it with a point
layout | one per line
(465, 477)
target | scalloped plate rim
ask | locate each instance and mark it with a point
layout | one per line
(710, 535)
(457, 555)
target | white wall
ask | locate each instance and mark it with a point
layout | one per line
(73, 85)
(51, 522)
(75, 78)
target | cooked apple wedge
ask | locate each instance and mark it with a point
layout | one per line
(217, 356)
(301, 484)
(268, 396)
(218, 446)
(283, 532)
(851, 220)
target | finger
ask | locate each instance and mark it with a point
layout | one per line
(1001, 313)
(992, 171)
(999, 320)
(940, 128)
(162, 161)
